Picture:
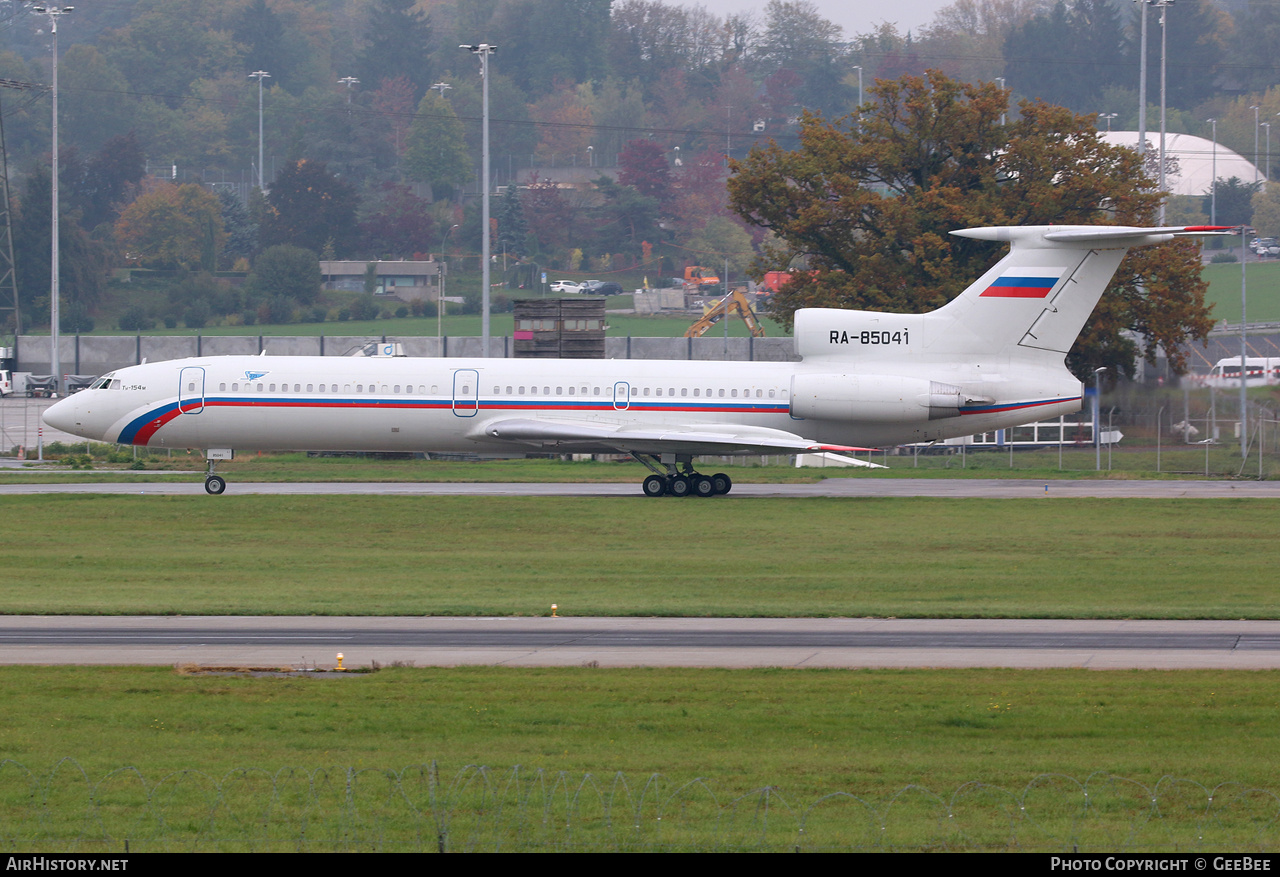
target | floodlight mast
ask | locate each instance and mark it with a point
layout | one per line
(483, 51)
(260, 75)
(55, 360)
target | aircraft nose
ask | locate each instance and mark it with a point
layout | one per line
(64, 415)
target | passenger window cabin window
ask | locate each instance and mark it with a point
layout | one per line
(671, 391)
(684, 391)
(508, 388)
(570, 390)
(646, 391)
(734, 393)
(559, 391)
(659, 391)
(695, 391)
(259, 388)
(222, 387)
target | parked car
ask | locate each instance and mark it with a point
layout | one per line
(608, 288)
(567, 286)
(1266, 246)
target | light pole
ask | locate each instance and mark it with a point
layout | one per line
(260, 75)
(1163, 6)
(859, 69)
(441, 87)
(1266, 173)
(349, 82)
(1256, 130)
(1244, 348)
(1142, 83)
(1213, 185)
(483, 51)
(55, 360)
(1000, 79)
(444, 263)
(1097, 415)
(1108, 117)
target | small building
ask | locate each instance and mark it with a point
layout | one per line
(406, 280)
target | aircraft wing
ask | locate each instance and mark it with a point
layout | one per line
(710, 438)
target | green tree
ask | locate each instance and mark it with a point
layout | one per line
(308, 206)
(437, 150)
(1235, 200)
(1266, 212)
(868, 209)
(83, 262)
(398, 43)
(513, 231)
(285, 272)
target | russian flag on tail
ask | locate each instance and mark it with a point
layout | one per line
(1024, 282)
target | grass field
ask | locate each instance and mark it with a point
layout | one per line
(974, 759)
(371, 555)
(1263, 289)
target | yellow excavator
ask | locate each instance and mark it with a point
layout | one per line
(735, 301)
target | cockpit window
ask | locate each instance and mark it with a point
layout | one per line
(104, 383)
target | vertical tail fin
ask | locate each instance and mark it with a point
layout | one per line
(1033, 302)
(1039, 296)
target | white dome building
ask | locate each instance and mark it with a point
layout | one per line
(1195, 158)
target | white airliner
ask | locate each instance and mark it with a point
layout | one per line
(993, 358)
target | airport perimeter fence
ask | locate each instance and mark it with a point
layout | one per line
(481, 809)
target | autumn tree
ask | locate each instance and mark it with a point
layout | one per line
(642, 165)
(867, 209)
(310, 207)
(397, 223)
(173, 227)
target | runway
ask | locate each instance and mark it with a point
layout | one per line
(310, 642)
(854, 486)
(654, 642)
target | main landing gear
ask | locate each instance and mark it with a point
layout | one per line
(679, 479)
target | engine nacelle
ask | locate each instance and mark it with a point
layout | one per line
(873, 398)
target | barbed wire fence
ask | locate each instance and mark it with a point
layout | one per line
(482, 809)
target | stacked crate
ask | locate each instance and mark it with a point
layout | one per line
(565, 328)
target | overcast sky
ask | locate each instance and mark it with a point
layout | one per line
(854, 17)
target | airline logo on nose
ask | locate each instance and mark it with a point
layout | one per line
(1024, 283)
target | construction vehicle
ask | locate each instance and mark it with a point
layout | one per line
(696, 275)
(735, 301)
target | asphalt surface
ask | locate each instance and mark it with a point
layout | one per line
(628, 642)
(853, 486)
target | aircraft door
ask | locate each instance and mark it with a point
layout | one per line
(191, 390)
(466, 392)
(621, 396)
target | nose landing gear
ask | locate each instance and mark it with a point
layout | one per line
(215, 484)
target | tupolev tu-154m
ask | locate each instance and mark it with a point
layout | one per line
(990, 359)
